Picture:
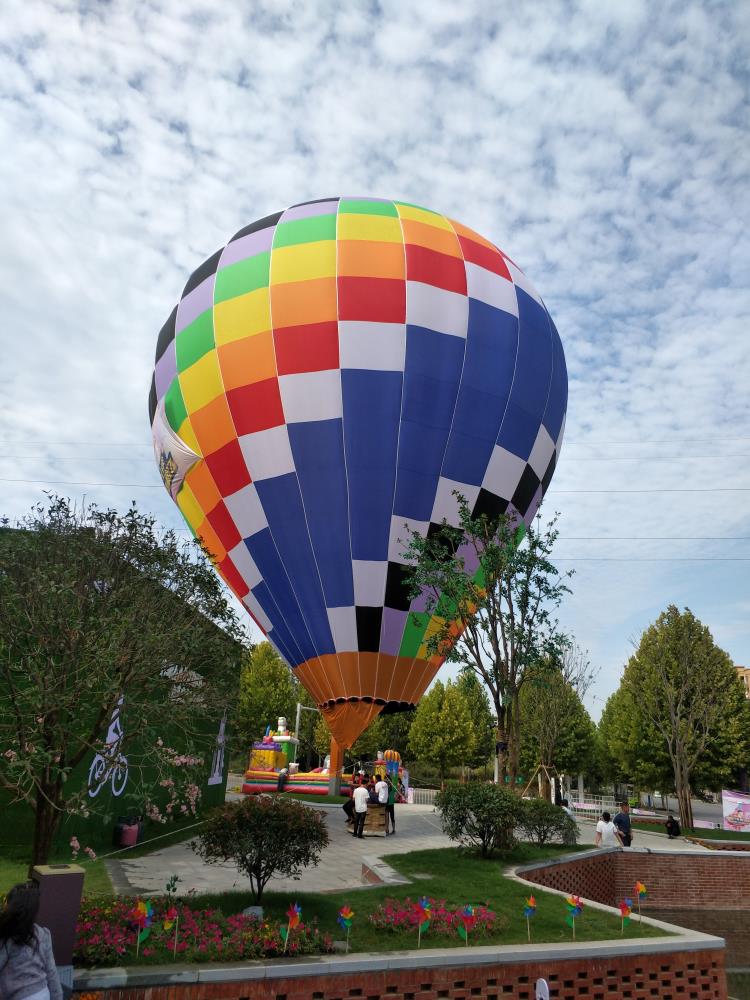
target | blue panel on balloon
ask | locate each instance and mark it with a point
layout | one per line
(372, 409)
(558, 391)
(266, 557)
(281, 634)
(282, 504)
(491, 348)
(318, 450)
(528, 397)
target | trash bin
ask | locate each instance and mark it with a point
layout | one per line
(60, 888)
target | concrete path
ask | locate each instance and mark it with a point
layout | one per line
(654, 841)
(417, 828)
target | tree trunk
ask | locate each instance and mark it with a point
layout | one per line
(514, 731)
(501, 743)
(46, 822)
(682, 790)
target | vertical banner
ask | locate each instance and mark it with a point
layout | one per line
(735, 809)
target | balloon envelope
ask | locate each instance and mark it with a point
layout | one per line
(326, 382)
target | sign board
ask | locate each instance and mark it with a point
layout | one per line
(735, 808)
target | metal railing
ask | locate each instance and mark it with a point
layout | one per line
(422, 796)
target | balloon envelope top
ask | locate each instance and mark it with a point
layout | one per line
(327, 382)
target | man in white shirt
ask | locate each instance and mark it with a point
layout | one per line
(607, 834)
(361, 797)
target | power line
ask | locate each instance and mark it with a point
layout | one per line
(650, 559)
(666, 489)
(74, 482)
(654, 538)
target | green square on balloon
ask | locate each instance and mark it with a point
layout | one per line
(195, 340)
(174, 406)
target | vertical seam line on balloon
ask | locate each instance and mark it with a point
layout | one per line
(236, 437)
(270, 531)
(549, 386)
(426, 667)
(408, 672)
(346, 468)
(296, 476)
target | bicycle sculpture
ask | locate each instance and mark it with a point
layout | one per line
(112, 765)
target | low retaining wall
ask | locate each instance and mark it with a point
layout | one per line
(689, 967)
(716, 880)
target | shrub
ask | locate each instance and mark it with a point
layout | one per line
(542, 822)
(264, 836)
(480, 816)
(403, 914)
(105, 935)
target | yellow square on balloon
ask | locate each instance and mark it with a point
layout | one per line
(191, 509)
(201, 383)
(303, 261)
(242, 316)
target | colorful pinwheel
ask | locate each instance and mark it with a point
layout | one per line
(640, 893)
(529, 911)
(467, 920)
(294, 916)
(345, 917)
(575, 909)
(423, 913)
(626, 908)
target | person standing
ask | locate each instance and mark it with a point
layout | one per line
(390, 809)
(361, 798)
(27, 965)
(622, 822)
(607, 834)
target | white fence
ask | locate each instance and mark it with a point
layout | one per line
(422, 796)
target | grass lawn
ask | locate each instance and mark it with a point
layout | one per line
(14, 867)
(716, 834)
(451, 874)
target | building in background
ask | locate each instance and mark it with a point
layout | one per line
(744, 675)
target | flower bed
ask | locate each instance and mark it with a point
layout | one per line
(106, 935)
(407, 914)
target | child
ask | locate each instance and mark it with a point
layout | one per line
(673, 827)
(27, 965)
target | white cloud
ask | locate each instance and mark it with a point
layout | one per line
(604, 149)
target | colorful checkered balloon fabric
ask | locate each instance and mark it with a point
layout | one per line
(326, 382)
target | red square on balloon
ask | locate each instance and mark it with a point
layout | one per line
(221, 521)
(227, 466)
(256, 407)
(379, 300)
(233, 578)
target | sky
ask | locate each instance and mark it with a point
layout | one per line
(604, 147)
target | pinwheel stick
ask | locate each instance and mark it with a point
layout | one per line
(347, 938)
(176, 928)
(528, 928)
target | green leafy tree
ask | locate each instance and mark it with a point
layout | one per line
(442, 731)
(541, 822)
(506, 611)
(482, 720)
(686, 689)
(268, 689)
(557, 731)
(631, 749)
(100, 611)
(483, 817)
(263, 836)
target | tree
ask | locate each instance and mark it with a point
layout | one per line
(480, 816)
(482, 720)
(385, 732)
(442, 730)
(632, 750)
(557, 731)
(268, 689)
(504, 612)
(542, 822)
(101, 614)
(686, 688)
(263, 836)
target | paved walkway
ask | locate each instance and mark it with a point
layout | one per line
(417, 828)
(654, 841)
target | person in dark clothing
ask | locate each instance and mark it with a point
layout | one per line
(622, 822)
(348, 807)
(673, 827)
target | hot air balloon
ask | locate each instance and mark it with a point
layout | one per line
(326, 382)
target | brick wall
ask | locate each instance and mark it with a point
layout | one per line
(687, 975)
(674, 880)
